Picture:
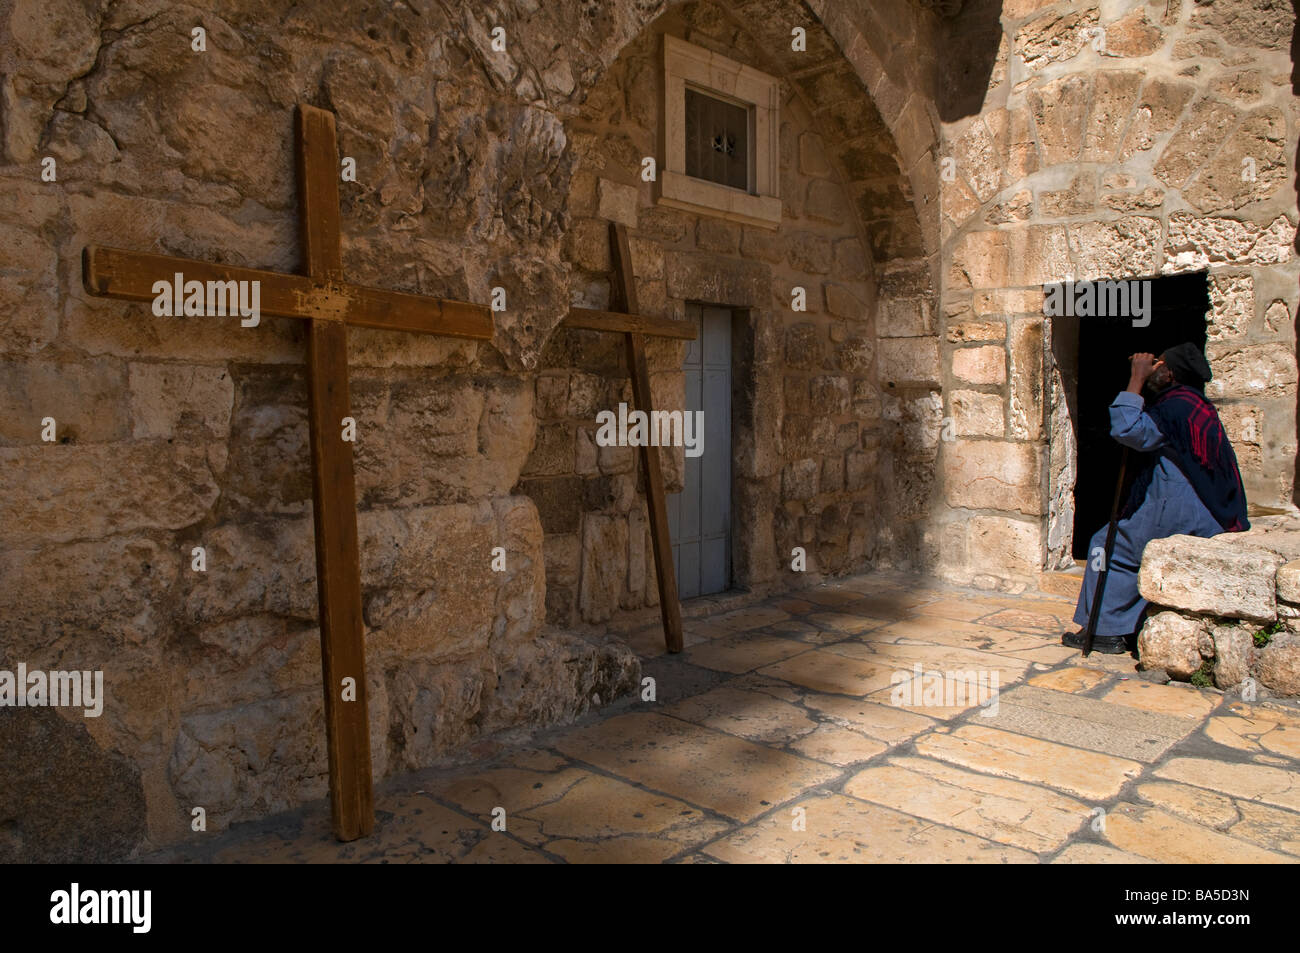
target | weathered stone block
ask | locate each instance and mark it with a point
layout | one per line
(1112, 249)
(76, 492)
(419, 602)
(1159, 107)
(117, 588)
(1054, 37)
(857, 470)
(976, 414)
(764, 245)
(1026, 391)
(558, 501)
(830, 395)
(977, 162)
(980, 365)
(604, 565)
(991, 474)
(812, 155)
(855, 355)
(1060, 108)
(1133, 35)
(1196, 140)
(919, 420)
(1210, 576)
(1277, 665)
(1195, 242)
(804, 346)
(168, 399)
(1288, 581)
(1233, 650)
(87, 399)
(904, 318)
(1257, 145)
(799, 480)
(717, 235)
(1251, 370)
(616, 203)
(28, 291)
(553, 452)
(825, 201)
(909, 360)
(67, 798)
(563, 558)
(1171, 641)
(976, 331)
(700, 277)
(810, 253)
(1033, 255)
(1012, 546)
(843, 303)
(586, 244)
(1232, 305)
(1113, 97)
(552, 396)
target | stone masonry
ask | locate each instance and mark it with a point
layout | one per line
(1116, 141)
(938, 164)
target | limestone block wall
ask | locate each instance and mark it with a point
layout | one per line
(474, 171)
(836, 407)
(175, 433)
(1114, 140)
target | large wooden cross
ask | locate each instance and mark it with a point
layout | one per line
(623, 318)
(328, 304)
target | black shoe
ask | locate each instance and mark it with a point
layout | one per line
(1105, 644)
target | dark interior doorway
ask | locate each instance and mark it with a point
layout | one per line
(1179, 306)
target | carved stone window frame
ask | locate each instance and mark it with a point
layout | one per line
(712, 73)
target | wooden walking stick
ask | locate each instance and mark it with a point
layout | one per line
(1105, 559)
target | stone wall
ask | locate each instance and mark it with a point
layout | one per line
(903, 420)
(476, 168)
(1119, 140)
(827, 454)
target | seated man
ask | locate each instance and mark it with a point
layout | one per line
(1187, 484)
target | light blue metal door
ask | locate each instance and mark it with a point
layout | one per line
(699, 518)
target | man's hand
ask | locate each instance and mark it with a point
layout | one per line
(1140, 368)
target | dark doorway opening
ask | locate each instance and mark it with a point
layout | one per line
(1179, 306)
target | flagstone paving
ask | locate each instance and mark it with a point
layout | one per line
(812, 728)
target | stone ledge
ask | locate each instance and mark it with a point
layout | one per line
(1192, 574)
(1203, 590)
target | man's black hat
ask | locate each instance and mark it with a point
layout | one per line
(1188, 365)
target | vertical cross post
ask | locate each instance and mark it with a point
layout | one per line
(338, 561)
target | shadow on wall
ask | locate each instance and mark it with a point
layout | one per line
(968, 51)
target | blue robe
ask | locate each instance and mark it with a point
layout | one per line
(1170, 508)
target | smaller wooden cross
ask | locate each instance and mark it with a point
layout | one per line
(328, 304)
(623, 318)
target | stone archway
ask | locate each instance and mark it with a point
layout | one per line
(835, 409)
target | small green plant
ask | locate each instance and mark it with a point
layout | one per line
(1265, 635)
(1203, 677)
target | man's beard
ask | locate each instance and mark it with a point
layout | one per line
(1151, 389)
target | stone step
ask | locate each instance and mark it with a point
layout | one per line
(1065, 582)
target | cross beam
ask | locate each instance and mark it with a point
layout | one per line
(634, 328)
(329, 304)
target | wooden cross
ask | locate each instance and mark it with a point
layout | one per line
(623, 318)
(328, 304)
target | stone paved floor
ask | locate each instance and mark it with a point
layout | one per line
(773, 739)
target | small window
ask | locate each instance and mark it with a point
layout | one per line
(720, 155)
(717, 140)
